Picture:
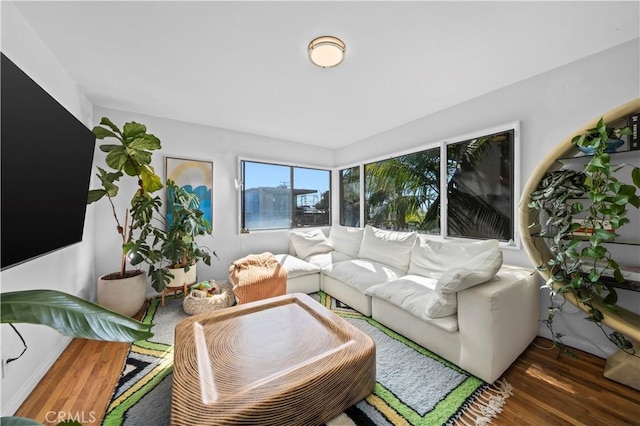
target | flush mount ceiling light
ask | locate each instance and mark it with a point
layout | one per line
(326, 51)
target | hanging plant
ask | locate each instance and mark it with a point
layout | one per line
(582, 211)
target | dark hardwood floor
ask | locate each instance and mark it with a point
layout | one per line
(547, 391)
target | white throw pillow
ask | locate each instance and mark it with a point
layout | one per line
(296, 267)
(389, 247)
(475, 271)
(432, 258)
(308, 243)
(416, 295)
(346, 240)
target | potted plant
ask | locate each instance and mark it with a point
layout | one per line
(124, 291)
(179, 248)
(583, 210)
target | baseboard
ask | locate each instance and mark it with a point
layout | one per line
(32, 381)
(581, 344)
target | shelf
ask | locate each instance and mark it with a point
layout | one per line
(625, 285)
(628, 156)
(585, 238)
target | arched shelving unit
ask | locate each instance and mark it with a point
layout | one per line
(621, 367)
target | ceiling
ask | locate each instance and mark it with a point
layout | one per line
(244, 66)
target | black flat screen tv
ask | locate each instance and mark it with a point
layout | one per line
(46, 158)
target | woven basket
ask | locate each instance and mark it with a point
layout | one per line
(197, 301)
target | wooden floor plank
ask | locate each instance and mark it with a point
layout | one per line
(547, 391)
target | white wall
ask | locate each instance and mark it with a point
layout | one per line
(550, 106)
(223, 148)
(70, 269)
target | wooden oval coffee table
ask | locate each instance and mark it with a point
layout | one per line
(281, 361)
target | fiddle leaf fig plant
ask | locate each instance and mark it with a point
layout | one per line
(583, 211)
(131, 157)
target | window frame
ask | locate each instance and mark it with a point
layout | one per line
(239, 185)
(514, 126)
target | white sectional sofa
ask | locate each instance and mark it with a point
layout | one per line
(456, 299)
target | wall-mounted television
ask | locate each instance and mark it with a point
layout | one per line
(46, 158)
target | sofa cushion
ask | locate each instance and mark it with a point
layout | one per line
(310, 242)
(346, 240)
(389, 247)
(325, 259)
(476, 270)
(417, 295)
(296, 267)
(361, 273)
(432, 258)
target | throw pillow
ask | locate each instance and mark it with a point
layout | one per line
(389, 247)
(416, 294)
(432, 258)
(346, 240)
(308, 243)
(477, 270)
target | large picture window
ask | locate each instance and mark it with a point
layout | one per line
(279, 196)
(462, 188)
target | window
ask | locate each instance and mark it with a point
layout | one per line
(480, 187)
(403, 193)
(278, 196)
(350, 196)
(464, 188)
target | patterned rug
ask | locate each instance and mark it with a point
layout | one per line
(414, 386)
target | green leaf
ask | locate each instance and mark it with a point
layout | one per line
(133, 129)
(635, 175)
(626, 189)
(593, 252)
(160, 278)
(620, 341)
(576, 208)
(150, 181)
(106, 122)
(604, 235)
(145, 142)
(116, 159)
(70, 315)
(621, 200)
(617, 274)
(102, 133)
(109, 147)
(611, 298)
(95, 195)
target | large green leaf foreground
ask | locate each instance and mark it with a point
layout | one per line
(70, 315)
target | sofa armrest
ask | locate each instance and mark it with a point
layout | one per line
(497, 321)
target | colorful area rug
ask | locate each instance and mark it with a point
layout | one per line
(414, 386)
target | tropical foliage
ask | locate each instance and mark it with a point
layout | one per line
(400, 191)
(574, 207)
(70, 316)
(403, 193)
(177, 237)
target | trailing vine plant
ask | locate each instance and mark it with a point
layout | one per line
(576, 232)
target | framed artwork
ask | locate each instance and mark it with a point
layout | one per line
(196, 177)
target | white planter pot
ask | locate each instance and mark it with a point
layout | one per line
(181, 278)
(123, 295)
